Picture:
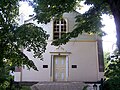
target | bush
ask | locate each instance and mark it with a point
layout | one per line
(25, 88)
(112, 84)
(112, 72)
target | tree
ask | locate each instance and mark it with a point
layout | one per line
(87, 22)
(112, 72)
(113, 67)
(13, 37)
(106, 57)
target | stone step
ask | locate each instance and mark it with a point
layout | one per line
(58, 86)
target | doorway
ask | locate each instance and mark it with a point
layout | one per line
(59, 68)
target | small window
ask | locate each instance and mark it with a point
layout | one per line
(74, 66)
(45, 66)
(59, 28)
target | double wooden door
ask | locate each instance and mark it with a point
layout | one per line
(59, 68)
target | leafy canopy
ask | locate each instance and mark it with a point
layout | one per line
(89, 22)
(112, 71)
(14, 37)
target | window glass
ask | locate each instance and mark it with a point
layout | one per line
(59, 28)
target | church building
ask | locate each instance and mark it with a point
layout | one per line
(81, 59)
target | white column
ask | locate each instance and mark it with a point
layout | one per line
(67, 68)
(51, 71)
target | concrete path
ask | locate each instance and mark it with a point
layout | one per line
(58, 86)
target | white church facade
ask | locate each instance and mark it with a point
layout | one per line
(81, 59)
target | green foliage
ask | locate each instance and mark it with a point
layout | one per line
(32, 38)
(5, 76)
(101, 5)
(112, 73)
(13, 38)
(112, 84)
(113, 67)
(25, 88)
(48, 9)
(106, 58)
(89, 22)
(85, 87)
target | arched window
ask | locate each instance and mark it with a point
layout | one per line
(59, 28)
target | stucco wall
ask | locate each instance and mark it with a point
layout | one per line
(32, 75)
(83, 54)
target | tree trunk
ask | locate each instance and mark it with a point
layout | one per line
(115, 9)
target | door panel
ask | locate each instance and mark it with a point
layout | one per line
(59, 68)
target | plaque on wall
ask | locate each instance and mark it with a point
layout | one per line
(74, 66)
(45, 66)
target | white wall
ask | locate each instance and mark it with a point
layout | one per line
(83, 54)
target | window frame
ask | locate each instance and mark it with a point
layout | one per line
(59, 30)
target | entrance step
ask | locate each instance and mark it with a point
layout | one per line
(58, 86)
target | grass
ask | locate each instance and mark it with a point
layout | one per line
(25, 88)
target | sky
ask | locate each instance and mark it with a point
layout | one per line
(109, 41)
